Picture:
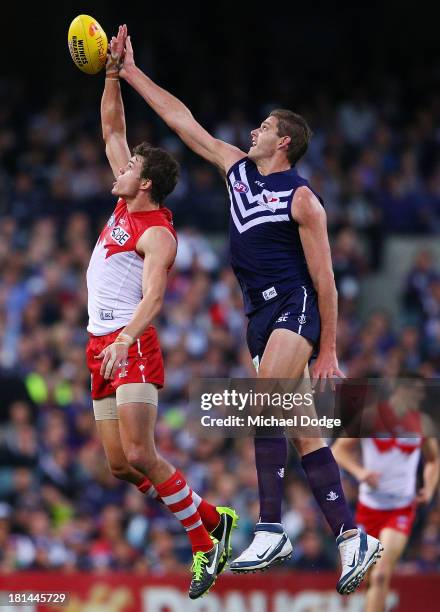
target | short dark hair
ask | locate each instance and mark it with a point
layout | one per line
(160, 167)
(293, 125)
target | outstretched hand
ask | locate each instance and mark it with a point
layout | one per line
(128, 57)
(116, 52)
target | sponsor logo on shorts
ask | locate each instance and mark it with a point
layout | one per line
(123, 373)
(256, 362)
(270, 293)
(241, 187)
(402, 521)
(283, 318)
(281, 472)
(302, 319)
(119, 235)
(106, 315)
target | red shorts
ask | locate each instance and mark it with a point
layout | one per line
(373, 521)
(145, 363)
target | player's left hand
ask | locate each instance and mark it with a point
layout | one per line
(423, 496)
(114, 356)
(116, 51)
(326, 367)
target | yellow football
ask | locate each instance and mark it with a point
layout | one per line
(87, 44)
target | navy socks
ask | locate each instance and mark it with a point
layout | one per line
(270, 461)
(324, 479)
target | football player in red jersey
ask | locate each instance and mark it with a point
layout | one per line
(126, 280)
(388, 493)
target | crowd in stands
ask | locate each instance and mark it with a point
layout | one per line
(378, 173)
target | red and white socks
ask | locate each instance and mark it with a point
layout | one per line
(208, 513)
(178, 497)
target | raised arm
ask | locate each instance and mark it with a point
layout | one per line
(311, 217)
(178, 117)
(112, 108)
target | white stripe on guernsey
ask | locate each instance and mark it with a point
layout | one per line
(255, 198)
(186, 513)
(139, 347)
(304, 308)
(196, 499)
(266, 219)
(176, 497)
(237, 197)
(151, 492)
(191, 527)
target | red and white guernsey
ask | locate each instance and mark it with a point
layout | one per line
(395, 455)
(114, 275)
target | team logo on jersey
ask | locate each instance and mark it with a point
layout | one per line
(302, 319)
(111, 221)
(241, 187)
(119, 235)
(270, 201)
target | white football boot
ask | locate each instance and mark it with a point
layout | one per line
(358, 553)
(270, 546)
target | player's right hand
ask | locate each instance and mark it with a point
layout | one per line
(370, 477)
(114, 357)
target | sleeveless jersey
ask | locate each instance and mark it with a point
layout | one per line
(266, 251)
(114, 275)
(395, 455)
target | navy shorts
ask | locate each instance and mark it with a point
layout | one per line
(297, 311)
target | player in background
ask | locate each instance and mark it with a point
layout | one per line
(387, 474)
(281, 257)
(126, 280)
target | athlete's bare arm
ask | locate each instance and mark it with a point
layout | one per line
(159, 247)
(431, 470)
(344, 452)
(112, 108)
(312, 221)
(178, 117)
